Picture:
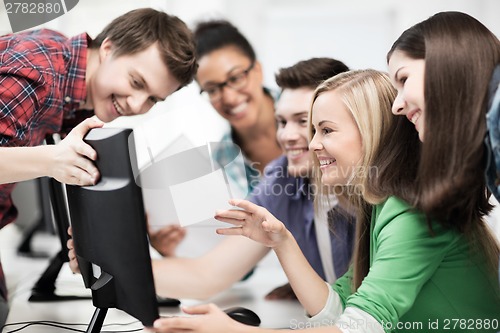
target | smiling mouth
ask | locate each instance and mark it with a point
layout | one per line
(117, 106)
(296, 152)
(414, 116)
(324, 163)
(238, 109)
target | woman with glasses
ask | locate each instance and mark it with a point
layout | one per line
(231, 78)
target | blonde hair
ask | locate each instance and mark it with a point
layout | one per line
(368, 96)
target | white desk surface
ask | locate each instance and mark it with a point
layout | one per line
(21, 273)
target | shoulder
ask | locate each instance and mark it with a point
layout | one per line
(395, 211)
(225, 150)
(34, 38)
(277, 187)
(278, 165)
(391, 208)
(34, 49)
(396, 221)
(275, 173)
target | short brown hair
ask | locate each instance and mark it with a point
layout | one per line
(138, 29)
(309, 73)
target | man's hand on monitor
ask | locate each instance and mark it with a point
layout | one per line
(70, 161)
(73, 263)
(282, 292)
(166, 240)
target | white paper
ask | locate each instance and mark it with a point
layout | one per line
(197, 200)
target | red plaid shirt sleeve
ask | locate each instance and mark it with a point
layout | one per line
(20, 96)
(42, 80)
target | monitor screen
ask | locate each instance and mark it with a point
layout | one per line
(110, 231)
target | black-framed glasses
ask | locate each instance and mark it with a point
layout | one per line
(237, 81)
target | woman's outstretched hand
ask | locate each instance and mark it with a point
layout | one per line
(252, 221)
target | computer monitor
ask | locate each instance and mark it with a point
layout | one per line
(53, 195)
(110, 232)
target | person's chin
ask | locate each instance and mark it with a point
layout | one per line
(105, 116)
(421, 136)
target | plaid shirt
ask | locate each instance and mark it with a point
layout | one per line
(242, 175)
(42, 83)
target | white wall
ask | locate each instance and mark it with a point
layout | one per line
(358, 32)
(284, 31)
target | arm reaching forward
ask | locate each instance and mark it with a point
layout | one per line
(69, 162)
(258, 224)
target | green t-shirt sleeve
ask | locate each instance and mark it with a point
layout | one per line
(403, 257)
(343, 286)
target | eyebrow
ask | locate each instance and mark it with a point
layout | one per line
(397, 72)
(228, 74)
(300, 114)
(295, 115)
(145, 83)
(326, 121)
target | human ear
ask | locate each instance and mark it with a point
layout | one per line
(106, 49)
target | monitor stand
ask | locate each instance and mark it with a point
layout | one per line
(106, 281)
(24, 248)
(97, 320)
(44, 288)
(44, 222)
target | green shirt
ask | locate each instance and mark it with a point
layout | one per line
(421, 282)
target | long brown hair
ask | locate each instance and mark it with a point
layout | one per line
(460, 54)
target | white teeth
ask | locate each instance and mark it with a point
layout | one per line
(415, 117)
(240, 108)
(326, 162)
(295, 152)
(117, 107)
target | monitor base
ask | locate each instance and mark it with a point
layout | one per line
(97, 320)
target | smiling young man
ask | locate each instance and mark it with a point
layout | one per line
(49, 84)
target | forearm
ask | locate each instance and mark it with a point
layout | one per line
(23, 163)
(203, 277)
(185, 278)
(324, 329)
(310, 289)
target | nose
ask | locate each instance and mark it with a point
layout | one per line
(315, 144)
(228, 95)
(398, 105)
(288, 133)
(138, 103)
